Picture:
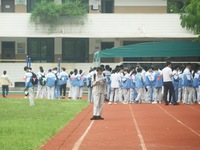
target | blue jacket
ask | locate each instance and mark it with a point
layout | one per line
(126, 82)
(139, 82)
(50, 79)
(158, 80)
(196, 80)
(187, 80)
(27, 78)
(63, 78)
(149, 79)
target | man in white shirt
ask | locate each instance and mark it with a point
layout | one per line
(168, 85)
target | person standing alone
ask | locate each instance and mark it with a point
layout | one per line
(5, 82)
(98, 91)
(168, 85)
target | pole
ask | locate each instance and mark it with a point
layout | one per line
(59, 65)
(27, 60)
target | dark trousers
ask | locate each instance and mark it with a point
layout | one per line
(169, 87)
(5, 90)
(63, 89)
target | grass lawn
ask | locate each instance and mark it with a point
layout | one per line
(24, 127)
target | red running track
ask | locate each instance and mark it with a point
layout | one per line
(132, 127)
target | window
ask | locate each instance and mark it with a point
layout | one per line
(41, 49)
(75, 50)
(8, 50)
(107, 6)
(8, 6)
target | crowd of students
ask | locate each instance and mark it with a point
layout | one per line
(123, 84)
(136, 85)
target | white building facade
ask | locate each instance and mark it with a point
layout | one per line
(109, 23)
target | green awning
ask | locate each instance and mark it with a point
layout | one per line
(151, 49)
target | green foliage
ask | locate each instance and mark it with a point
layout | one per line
(50, 13)
(191, 18)
(174, 7)
(25, 127)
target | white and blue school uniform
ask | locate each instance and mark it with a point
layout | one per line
(30, 87)
(115, 84)
(196, 82)
(42, 89)
(180, 87)
(50, 83)
(157, 87)
(188, 86)
(108, 85)
(57, 85)
(149, 79)
(133, 92)
(63, 83)
(81, 84)
(197, 79)
(75, 87)
(89, 85)
(175, 81)
(139, 85)
(71, 85)
(120, 91)
(126, 84)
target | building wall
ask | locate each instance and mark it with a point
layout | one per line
(20, 46)
(120, 6)
(133, 6)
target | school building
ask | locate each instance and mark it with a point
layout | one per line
(108, 23)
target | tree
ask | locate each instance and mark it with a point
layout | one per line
(190, 18)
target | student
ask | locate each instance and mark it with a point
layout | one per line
(133, 92)
(115, 81)
(167, 82)
(98, 91)
(139, 85)
(50, 82)
(5, 82)
(126, 83)
(81, 78)
(57, 83)
(75, 88)
(157, 86)
(107, 73)
(28, 85)
(63, 83)
(188, 85)
(149, 81)
(175, 81)
(71, 85)
(89, 83)
(41, 90)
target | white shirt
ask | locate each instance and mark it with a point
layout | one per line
(167, 72)
(115, 79)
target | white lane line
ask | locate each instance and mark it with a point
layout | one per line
(80, 140)
(194, 108)
(138, 130)
(179, 121)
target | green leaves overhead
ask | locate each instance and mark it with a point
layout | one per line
(191, 18)
(51, 13)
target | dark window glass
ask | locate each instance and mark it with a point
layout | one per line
(107, 6)
(41, 49)
(75, 50)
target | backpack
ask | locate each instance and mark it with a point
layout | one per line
(42, 80)
(34, 79)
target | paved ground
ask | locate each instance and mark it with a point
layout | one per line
(132, 127)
